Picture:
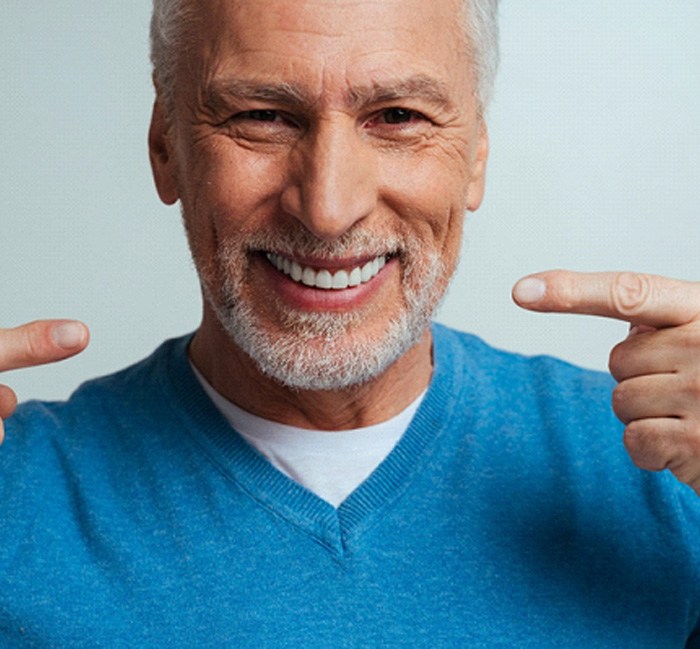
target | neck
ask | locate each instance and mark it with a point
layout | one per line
(234, 374)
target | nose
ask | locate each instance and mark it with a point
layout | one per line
(333, 183)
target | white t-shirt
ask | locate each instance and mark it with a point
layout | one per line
(332, 464)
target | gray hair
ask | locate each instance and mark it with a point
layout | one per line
(170, 18)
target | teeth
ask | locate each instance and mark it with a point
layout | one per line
(340, 280)
(355, 278)
(308, 277)
(323, 278)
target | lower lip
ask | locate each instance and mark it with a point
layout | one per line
(306, 298)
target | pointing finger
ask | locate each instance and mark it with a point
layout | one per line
(643, 299)
(44, 341)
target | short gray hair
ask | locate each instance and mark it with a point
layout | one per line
(170, 18)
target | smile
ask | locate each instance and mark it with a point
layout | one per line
(323, 278)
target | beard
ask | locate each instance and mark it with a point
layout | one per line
(306, 350)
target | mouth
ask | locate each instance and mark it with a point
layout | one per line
(329, 279)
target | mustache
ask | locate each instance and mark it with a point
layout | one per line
(298, 241)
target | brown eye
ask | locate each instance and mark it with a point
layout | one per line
(261, 115)
(398, 115)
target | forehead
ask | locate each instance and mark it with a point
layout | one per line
(328, 44)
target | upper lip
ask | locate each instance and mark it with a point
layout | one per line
(333, 264)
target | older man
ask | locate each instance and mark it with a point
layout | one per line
(317, 465)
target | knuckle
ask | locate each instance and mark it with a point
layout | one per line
(677, 451)
(620, 399)
(691, 437)
(647, 449)
(8, 401)
(617, 360)
(688, 472)
(632, 439)
(630, 292)
(569, 291)
(31, 344)
(688, 334)
(693, 386)
(562, 289)
(34, 341)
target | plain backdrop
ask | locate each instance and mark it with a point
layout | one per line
(595, 134)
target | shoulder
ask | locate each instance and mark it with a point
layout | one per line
(545, 432)
(515, 376)
(528, 410)
(98, 408)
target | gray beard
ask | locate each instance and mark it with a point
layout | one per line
(328, 351)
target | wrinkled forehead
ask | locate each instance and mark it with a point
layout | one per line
(327, 43)
(330, 17)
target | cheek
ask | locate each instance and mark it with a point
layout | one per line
(429, 193)
(228, 191)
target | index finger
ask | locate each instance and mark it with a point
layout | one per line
(43, 341)
(634, 297)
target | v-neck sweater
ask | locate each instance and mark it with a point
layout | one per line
(507, 515)
(329, 463)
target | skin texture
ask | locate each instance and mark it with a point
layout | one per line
(332, 163)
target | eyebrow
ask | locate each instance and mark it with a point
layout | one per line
(414, 87)
(284, 93)
(418, 87)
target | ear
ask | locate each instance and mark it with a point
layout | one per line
(477, 176)
(161, 155)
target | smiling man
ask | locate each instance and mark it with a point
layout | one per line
(324, 170)
(318, 465)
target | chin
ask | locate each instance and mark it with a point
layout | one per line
(323, 352)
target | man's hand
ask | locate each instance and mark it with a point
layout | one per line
(36, 343)
(657, 367)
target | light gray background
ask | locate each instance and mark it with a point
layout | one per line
(595, 134)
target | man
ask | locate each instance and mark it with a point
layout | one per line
(317, 465)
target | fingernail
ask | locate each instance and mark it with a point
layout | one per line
(68, 335)
(634, 330)
(529, 290)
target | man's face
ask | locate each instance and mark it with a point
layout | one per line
(324, 153)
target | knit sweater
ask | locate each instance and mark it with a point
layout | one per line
(508, 515)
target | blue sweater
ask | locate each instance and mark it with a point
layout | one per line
(508, 515)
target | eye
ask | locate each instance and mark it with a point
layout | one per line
(399, 125)
(263, 125)
(259, 115)
(399, 116)
(398, 121)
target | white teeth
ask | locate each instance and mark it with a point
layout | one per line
(323, 278)
(355, 278)
(308, 277)
(340, 280)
